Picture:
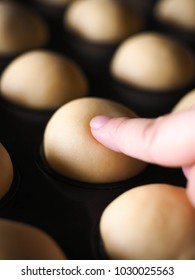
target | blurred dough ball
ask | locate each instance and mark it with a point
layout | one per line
(149, 222)
(6, 171)
(21, 29)
(176, 13)
(42, 80)
(101, 21)
(20, 241)
(153, 61)
(187, 101)
(55, 3)
(72, 151)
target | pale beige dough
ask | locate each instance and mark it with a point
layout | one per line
(187, 101)
(151, 222)
(21, 29)
(72, 151)
(153, 61)
(42, 80)
(176, 13)
(101, 21)
(19, 241)
(6, 171)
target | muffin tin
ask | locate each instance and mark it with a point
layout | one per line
(66, 209)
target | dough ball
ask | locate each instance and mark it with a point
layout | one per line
(42, 80)
(153, 61)
(185, 102)
(21, 29)
(6, 171)
(101, 21)
(176, 13)
(150, 222)
(20, 241)
(72, 151)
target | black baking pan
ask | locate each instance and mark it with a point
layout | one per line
(146, 103)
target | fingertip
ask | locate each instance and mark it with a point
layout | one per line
(99, 121)
(101, 130)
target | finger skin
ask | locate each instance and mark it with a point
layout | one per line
(168, 140)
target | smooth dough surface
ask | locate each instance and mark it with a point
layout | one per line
(150, 222)
(153, 61)
(42, 80)
(187, 101)
(6, 171)
(101, 21)
(19, 241)
(72, 151)
(176, 13)
(21, 29)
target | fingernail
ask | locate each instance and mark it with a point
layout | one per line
(98, 122)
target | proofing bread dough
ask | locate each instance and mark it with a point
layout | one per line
(150, 222)
(21, 29)
(72, 151)
(153, 61)
(101, 21)
(20, 241)
(42, 80)
(6, 171)
(185, 102)
(176, 13)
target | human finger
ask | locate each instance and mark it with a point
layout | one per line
(168, 140)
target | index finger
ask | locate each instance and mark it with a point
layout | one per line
(168, 140)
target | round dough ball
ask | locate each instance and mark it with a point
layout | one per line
(21, 29)
(20, 241)
(187, 101)
(101, 21)
(55, 3)
(42, 80)
(153, 61)
(176, 13)
(6, 171)
(72, 151)
(149, 222)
